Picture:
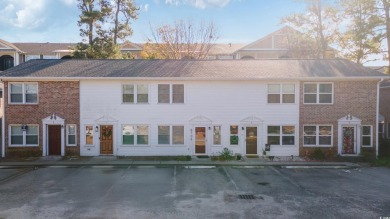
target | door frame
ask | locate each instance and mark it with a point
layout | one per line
(52, 120)
(349, 121)
(244, 134)
(113, 139)
(205, 138)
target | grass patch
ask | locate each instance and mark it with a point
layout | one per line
(381, 162)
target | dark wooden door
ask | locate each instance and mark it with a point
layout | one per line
(54, 140)
(200, 140)
(106, 143)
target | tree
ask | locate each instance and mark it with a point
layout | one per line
(360, 40)
(182, 40)
(319, 23)
(121, 28)
(104, 22)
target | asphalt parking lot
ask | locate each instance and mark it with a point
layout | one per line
(194, 192)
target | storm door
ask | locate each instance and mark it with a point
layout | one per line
(200, 140)
(349, 140)
(251, 140)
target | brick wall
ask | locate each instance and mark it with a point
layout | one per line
(61, 98)
(384, 106)
(357, 98)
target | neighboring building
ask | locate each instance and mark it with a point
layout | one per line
(285, 43)
(10, 55)
(384, 110)
(176, 107)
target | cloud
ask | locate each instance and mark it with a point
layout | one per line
(69, 2)
(144, 8)
(23, 13)
(202, 4)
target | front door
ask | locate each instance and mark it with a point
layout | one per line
(251, 140)
(200, 140)
(349, 137)
(106, 142)
(54, 139)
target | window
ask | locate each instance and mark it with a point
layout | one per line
(135, 93)
(281, 135)
(317, 135)
(71, 135)
(234, 135)
(166, 96)
(23, 93)
(318, 93)
(132, 135)
(381, 133)
(366, 136)
(281, 93)
(89, 135)
(388, 130)
(26, 135)
(171, 134)
(217, 135)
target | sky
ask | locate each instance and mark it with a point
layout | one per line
(238, 21)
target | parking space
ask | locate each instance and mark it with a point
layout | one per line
(179, 192)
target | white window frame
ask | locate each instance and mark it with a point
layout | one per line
(24, 135)
(85, 135)
(281, 93)
(171, 93)
(281, 135)
(23, 92)
(135, 93)
(170, 143)
(220, 134)
(367, 146)
(388, 130)
(317, 135)
(318, 93)
(67, 135)
(135, 126)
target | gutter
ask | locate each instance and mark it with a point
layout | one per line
(377, 116)
(2, 123)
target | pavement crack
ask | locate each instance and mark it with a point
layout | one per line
(230, 178)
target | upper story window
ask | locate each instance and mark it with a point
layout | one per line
(23, 93)
(168, 93)
(318, 93)
(135, 93)
(281, 93)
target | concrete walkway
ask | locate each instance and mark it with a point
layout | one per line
(286, 162)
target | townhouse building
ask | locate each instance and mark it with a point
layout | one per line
(189, 107)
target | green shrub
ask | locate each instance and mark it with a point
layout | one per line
(226, 154)
(317, 154)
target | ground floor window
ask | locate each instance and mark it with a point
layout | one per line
(317, 135)
(135, 134)
(24, 135)
(217, 135)
(281, 135)
(234, 135)
(89, 135)
(71, 135)
(366, 136)
(170, 135)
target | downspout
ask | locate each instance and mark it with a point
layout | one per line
(377, 116)
(2, 123)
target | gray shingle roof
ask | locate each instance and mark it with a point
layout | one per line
(212, 69)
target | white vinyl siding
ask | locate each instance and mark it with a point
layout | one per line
(318, 93)
(23, 93)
